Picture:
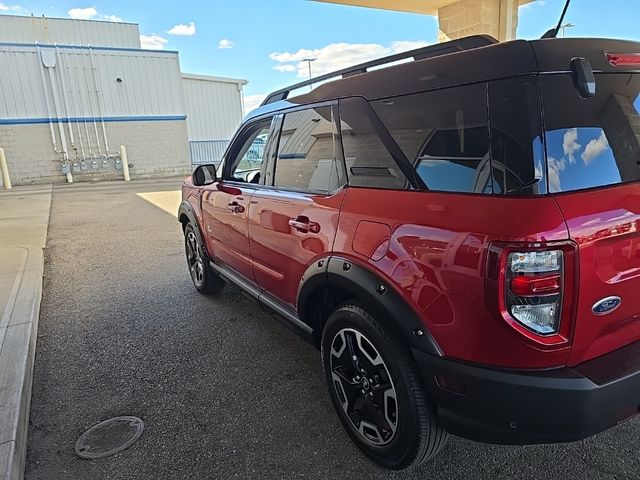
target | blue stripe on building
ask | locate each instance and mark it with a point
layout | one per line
(141, 118)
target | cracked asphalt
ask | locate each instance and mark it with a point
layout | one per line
(225, 390)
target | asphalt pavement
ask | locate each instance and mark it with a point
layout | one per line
(225, 390)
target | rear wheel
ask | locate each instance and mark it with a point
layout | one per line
(202, 275)
(377, 391)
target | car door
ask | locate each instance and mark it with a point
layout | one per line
(225, 203)
(293, 217)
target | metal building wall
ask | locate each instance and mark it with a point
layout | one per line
(214, 110)
(69, 108)
(125, 83)
(20, 29)
(213, 106)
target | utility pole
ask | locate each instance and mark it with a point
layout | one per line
(309, 60)
(565, 26)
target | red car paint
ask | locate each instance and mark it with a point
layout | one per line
(433, 249)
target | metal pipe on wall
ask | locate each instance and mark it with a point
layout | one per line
(46, 99)
(63, 137)
(64, 97)
(75, 111)
(95, 124)
(49, 61)
(76, 76)
(100, 102)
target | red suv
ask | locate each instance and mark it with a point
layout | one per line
(458, 234)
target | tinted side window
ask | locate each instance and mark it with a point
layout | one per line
(369, 162)
(596, 141)
(517, 151)
(444, 134)
(306, 159)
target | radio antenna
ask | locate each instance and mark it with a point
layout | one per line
(553, 33)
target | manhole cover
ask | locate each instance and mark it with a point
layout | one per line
(109, 437)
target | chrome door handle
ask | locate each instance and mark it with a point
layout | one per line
(303, 224)
(235, 207)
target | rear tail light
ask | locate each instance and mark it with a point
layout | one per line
(624, 59)
(531, 286)
(533, 295)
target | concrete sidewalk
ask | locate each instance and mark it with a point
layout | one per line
(24, 217)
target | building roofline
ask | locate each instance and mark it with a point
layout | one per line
(211, 78)
(86, 47)
(70, 19)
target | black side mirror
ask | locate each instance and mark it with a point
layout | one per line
(204, 175)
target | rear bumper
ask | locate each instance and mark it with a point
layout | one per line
(528, 407)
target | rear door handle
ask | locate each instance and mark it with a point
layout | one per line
(235, 207)
(303, 224)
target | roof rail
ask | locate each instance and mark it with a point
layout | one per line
(466, 43)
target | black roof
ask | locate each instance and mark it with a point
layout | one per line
(468, 60)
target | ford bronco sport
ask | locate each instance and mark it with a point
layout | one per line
(458, 234)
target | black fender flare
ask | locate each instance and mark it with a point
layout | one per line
(185, 209)
(377, 295)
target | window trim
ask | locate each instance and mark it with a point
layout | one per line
(238, 142)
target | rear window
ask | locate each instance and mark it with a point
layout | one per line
(483, 138)
(591, 142)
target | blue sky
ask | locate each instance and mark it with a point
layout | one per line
(265, 40)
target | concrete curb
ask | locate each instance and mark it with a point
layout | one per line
(18, 337)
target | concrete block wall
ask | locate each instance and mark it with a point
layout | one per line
(154, 149)
(475, 17)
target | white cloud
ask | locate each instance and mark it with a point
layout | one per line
(12, 8)
(83, 13)
(111, 18)
(183, 30)
(285, 67)
(152, 42)
(570, 144)
(225, 43)
(336, 56)
(529, 6)
(251, 102)
(594, 148)
(556, 166)
(91, 13)
(406, 45)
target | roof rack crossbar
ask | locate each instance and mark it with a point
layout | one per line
(430, 51)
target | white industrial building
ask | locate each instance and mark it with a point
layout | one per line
(73, 91)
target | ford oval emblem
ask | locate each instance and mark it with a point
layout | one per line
(606, 305)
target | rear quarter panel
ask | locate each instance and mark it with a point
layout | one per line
(431, 247)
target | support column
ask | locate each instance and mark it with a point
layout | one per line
(498, 18)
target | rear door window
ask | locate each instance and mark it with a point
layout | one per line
(306, 159)
(596, 141)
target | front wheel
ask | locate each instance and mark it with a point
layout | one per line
(377, 391)
(202, 275)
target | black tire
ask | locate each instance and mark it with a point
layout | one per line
(202, 275)
(407, 433)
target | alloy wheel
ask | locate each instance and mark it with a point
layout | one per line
(364, 386)
(194, 258)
